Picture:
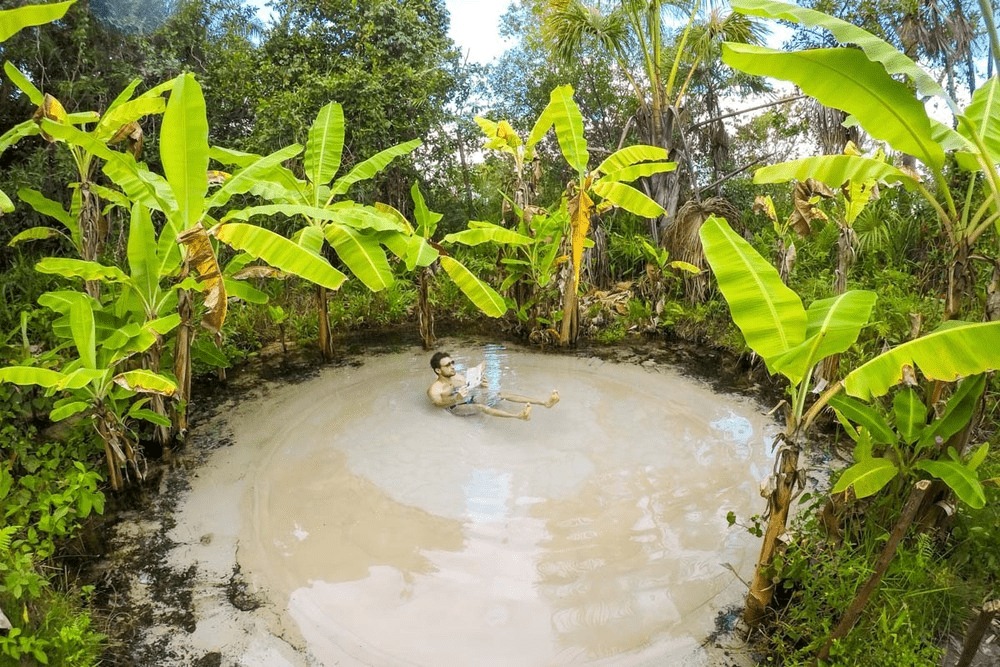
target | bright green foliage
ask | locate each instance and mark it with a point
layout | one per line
(14, 20)
(905, 441)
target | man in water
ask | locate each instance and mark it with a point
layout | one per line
(451, 391)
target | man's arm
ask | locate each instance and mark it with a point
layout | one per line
(445, 398)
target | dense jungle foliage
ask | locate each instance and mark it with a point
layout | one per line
(185, 185)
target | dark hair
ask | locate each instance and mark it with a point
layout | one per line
(436, 360)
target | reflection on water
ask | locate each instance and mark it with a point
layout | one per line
(594, 533)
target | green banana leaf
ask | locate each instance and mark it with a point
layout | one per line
(632, 172)
(628, 198)
(68, 267)
(957, 413)
(769, 314)
(486, 232)
(416, 251)
(68, 410)
(363, 256)
(280, 253)
(845, 79)
(240, 289)
(251, 175)
(959, 478)
(568, 121)
(37, 234)
(24, 84)
(184, 152)
(960, 349)
(832, 326)
(538, 130)
(911, 414)
(359, 217)
(125, 95)
(26, 376)
(983, 114)
(123, 114)
(143, 262)
(324, 147)
(50, 208)
(28, 128)
(864, 415)
(81, 322)
(846, 33)
(484, 297)
(6, 205)
(14, 20)
(834, 170)
(632, 155)
(868, 477)
(427, 220)
(311, 238)
(373, 165)
(146, 382)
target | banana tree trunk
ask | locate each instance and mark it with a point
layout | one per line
(425, 312)
(325, 335)
(846, 255)
(959, 281)
(569, 330)
(93, 231)
(156, 402)
(779, 503)
(182, 361)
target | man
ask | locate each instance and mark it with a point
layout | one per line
(450, 391)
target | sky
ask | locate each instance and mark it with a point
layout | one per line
(475, 28)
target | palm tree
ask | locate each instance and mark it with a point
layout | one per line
(651, 59)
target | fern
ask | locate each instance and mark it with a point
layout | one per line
(6, 536)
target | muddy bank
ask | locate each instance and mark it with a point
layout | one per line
(175, 581)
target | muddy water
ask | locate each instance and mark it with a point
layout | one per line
(389, 532)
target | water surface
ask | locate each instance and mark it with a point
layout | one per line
(389, 532)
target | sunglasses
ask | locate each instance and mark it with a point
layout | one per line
(445, 365)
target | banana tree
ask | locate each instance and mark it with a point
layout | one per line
(416, 247)
(861, 79)
(354, 232)
(94, 383)
(13, 21)
(792, 340)
(119, 123)
(181, 197)
(606, 183)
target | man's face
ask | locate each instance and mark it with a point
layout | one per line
(447, 368)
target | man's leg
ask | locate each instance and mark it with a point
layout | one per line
(485, 409)
(517, 398)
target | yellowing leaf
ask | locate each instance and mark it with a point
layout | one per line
(201, 257)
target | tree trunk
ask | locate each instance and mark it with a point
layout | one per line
(779, 503)
(325, 336)
(93, 232)
(569, 330)
(859, 603)
(182, 362)
(425, 312)
(959, 281)
(976, 631)
(156, 402)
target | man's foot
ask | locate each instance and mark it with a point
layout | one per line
(553, 399)
(526, 413)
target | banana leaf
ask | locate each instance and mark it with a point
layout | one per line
(251, 175)
(959, 349)
(146, 382)
(845, 79)
(769, 314)
(484, 297)
(24, 84)
(867, 477)
(632, 155)
(911, 414)
(81, 322)
(960, 478)
(363, 256)
(373, 165)
(834, 170)
(832, 326)
(487, 232)
(68, 267)
(568, 121)
(632, 172)
(280, 253)
(846, 33)
(427, 219)
(324, 147)
(958, 411)
(628, 198)
(983, 115)
(14, 20)
(127, 112)
(864, 415)
(36, 234)
(184, 152)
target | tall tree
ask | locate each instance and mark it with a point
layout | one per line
(383, 60)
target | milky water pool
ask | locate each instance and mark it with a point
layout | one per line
(381, 530)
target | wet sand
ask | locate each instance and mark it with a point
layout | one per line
(379, 530)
